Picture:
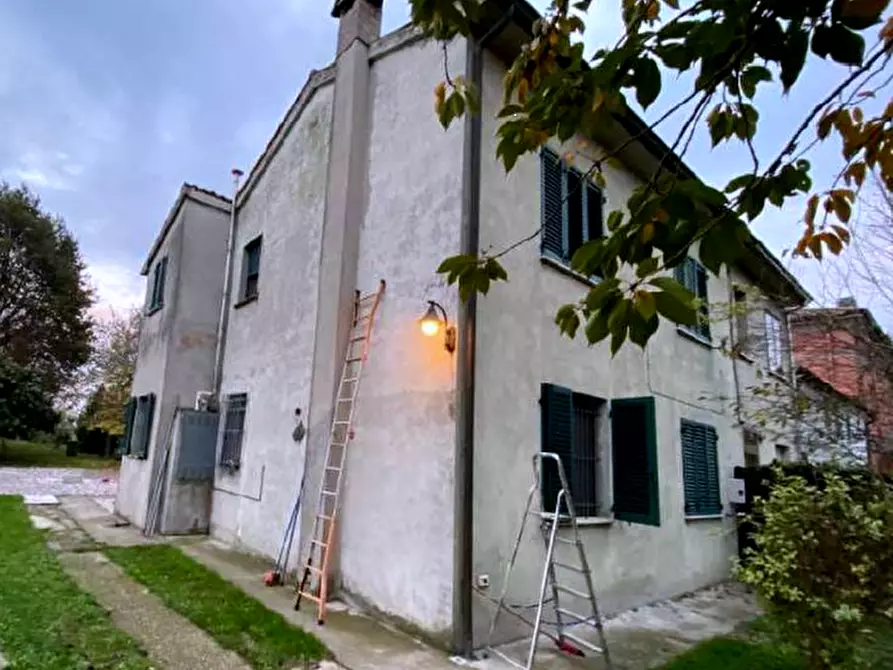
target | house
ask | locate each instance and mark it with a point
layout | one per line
(844, 347)
(360, 183)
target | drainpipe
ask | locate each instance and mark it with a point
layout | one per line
(223, 321)
(463, 509)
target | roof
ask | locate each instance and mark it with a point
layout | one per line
(203, 196)
(524, 14)
(825, 314)
(805, 375)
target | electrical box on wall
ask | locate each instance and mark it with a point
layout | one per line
(737, 493)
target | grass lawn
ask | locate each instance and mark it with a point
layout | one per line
(761, 650)
(33, 454)
(46, 621)
(233, 618)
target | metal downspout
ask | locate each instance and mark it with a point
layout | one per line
(463, 510)
(223, 320)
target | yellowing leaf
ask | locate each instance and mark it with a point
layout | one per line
(811, 208)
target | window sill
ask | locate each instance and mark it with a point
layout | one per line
(152, 310)
(694, 337)
(565, 269)
(595, 521)
(747, 358)
(704, 517)
(245, 301)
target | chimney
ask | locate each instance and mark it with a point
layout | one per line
(358, 20)
(847, 302)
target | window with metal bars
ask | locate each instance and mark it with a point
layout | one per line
(700, 469)
(571, 428)
(233, 430)
(775, 348)
(140, 430)
(571, 212)
(693, 276)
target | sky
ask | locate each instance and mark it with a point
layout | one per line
(107, 107)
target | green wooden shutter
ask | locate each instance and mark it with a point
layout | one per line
(700, 469)
(700, 281)
(594, 212)
(129, 414)
(552, 205)
(161, 280)
(145, 414)
(557, 436)
(634, 451)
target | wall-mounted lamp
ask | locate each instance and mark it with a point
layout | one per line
(432, 323)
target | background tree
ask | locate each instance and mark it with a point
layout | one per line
(25, 407)
(44, 296)
(733, 47)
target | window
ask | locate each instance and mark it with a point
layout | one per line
(571, 426)
(693, 276)
(141, 427)
(751, 449)
(741, 327)
(156, 295)
(251, 269)
(700, 471)
(774, 344)
(634, 461)
(571, 212)
(233, 430)
(782, 453)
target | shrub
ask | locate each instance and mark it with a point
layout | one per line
(823, 561)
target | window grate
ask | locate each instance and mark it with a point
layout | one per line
(233, 430)
(586, 462)
(693, 276)
(251, 272)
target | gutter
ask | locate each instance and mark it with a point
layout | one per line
(463, 508)
(223, 320)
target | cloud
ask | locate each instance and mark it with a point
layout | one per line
(44, 170)
(119, 287)
(173, 118)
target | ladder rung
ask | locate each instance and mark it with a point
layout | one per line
(565, 540)
(339, 423)
(574, 615)
(358, 339)
(568, 567)
(332, 467)
(309, 596)
(584, 643)
(319, 542)
(323, 517)
(345, 400)
(329, 493)
(573, 592)
(354, 360)
(349, 380)
(313, 568)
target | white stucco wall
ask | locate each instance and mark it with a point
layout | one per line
(270, 341)
(396, 530)
(519, 347)
(176, 350)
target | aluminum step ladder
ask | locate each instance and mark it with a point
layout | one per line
(313, 584)
(555, 575)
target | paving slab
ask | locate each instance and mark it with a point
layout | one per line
(171, 641)
(58, 481)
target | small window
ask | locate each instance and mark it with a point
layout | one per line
(141, 428)
(233, 430)
(251, 269)
(700, 470)
(693, 276)
(572, 429)
(782, 453)
(774, 344)
(741, 327)
(572, 209)
(156, 295)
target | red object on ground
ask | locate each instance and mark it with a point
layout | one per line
(570, 649)
(272, 578)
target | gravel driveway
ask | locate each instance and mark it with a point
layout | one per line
(58, 481)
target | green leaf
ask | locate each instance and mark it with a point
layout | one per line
(675, 56)
(669, 285)
(587, 255)
(821, 40)
(718, 128)
(615, 220)
(597, 296)
(794, 55)
(846, 47)
(568, 320)
(641, 329)
(647, 267)
(596, 328)
(510, 110)
(739, 182)
(645, 304)
(753, 76)
(646, 79)
(676, 310)
(617, 339)
(495, 271)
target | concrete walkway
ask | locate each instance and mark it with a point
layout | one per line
(643, 638)
(171, 641)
